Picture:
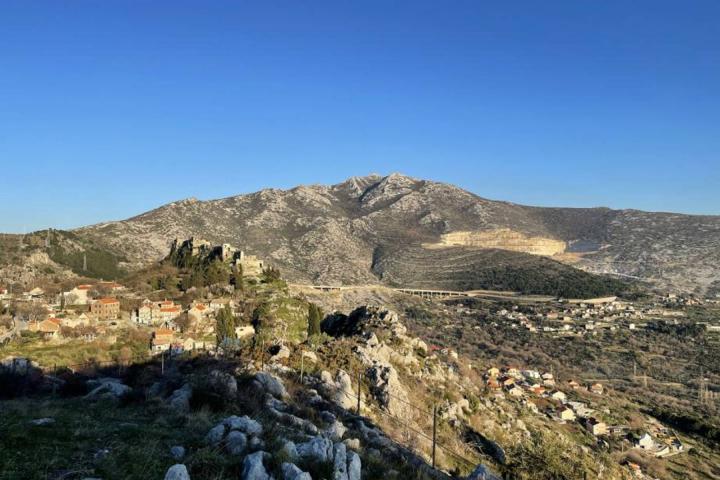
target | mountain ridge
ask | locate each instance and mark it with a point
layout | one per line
(331, 233)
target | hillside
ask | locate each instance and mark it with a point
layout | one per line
(55, 254)
(343, 234)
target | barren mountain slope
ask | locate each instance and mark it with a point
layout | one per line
(343, 233)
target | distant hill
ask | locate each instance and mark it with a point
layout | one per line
(57, 254)
(406, 231)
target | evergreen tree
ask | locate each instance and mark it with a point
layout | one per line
(225, 323)
(315, 316)
(236, 278)
(217, 272)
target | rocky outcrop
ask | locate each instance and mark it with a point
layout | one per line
(338, 390)
(388, 391)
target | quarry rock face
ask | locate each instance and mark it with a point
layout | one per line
(503, 239)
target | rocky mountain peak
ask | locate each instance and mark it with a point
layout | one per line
(375, 228)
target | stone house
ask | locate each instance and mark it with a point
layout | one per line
(565, 413)
(106, 308)
(596, 427)
(162, 340)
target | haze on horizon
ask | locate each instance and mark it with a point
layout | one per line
(110, 109)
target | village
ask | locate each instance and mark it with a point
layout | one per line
(100, 311)
(571, 402)
(560, 318)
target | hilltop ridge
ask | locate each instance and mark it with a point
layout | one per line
(354, 232)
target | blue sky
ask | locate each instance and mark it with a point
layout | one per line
(110, 108)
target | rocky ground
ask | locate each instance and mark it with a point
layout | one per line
(290, 416)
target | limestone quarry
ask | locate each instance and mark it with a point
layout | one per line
(503, 239)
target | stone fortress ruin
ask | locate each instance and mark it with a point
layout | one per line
(251, 265)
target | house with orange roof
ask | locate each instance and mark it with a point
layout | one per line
(49, 328)
(106, 308)
(493, 383)
(168, 314)
(198, 312)
(162, 339)
(112, 286)
(78, 295)
(538, 390)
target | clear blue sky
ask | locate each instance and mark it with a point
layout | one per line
(110, 108)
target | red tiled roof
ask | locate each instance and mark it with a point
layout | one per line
(46, 326)
(108, 301)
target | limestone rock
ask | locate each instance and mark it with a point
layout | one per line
(482, 472)
(289, 451)
(290, 471)
(271, 384)
(340, 462)
(177, 472)
(244, 424)
(109, 388)
(319, 449)
(215, 435)
(354, 469)
(336, 430)
(311, 356)
(255, 444)
(223, 383)
(253, 468)
(282, 353)
(42, 421)
(179, 400)
(387, 389)
(236, 442)
(340, 390)
(177, 452)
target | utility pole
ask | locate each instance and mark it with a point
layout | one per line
(434, 437)
(84, 261)
(358, 387)
(302, 366)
